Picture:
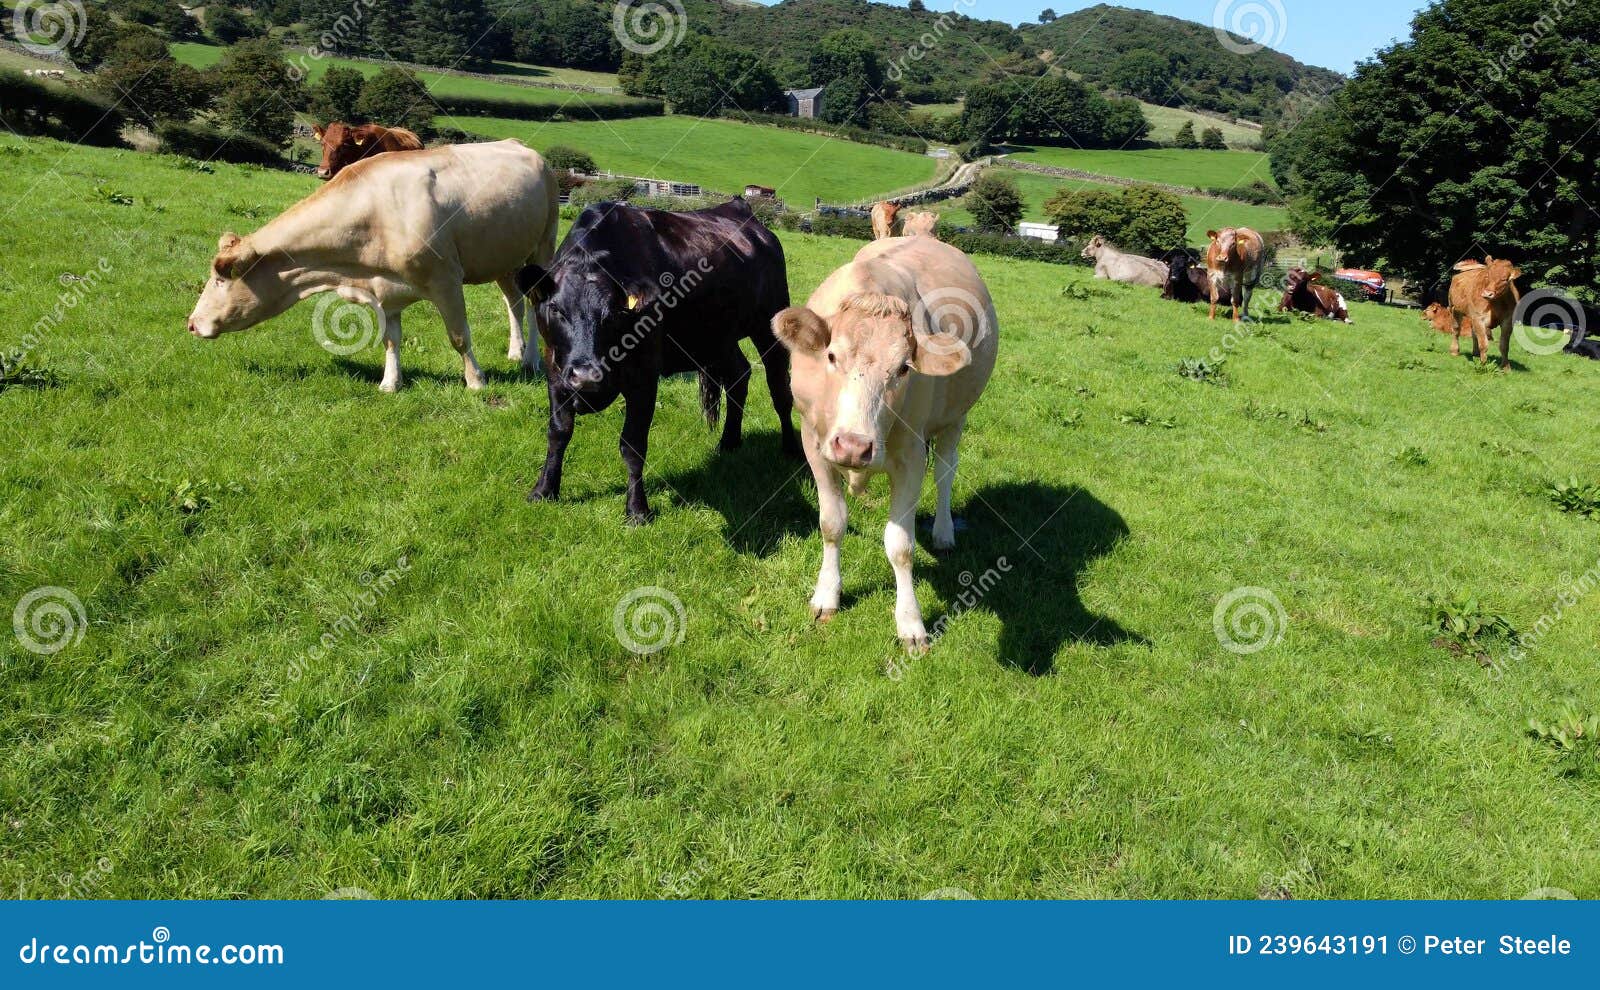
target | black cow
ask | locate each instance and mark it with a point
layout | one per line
(635, 294)
(1187, 282)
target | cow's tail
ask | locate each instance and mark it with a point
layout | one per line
(710, 399)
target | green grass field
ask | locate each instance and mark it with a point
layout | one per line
(475, 729)
(1165, 122)
(1204, 214)
(1199, 169)
(440, 84)
(725, 155)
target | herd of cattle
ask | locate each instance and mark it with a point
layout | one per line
(884, 360)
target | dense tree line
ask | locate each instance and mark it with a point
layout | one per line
(1050, 108)
(1473, 136)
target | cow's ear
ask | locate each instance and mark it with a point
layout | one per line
(941, 354)
(1316, 276)
(534, 281)
(234, 257)
(799, 329)
(317, 131)
(1211, 234)
(1468, 265)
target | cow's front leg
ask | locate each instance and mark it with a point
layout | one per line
(548, 488)
(832, 514)
(641, 410)
(1505, 342)
(905, 485)
(391, 353)
(452, 305)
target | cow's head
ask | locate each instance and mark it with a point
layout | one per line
(1499, 277)
(1223, 241)
(1437, 315)
(342, 145)
(917, 222)
(855, 368)
(239, 292)
(1178, 263)
(1094, 247)
(593, 321)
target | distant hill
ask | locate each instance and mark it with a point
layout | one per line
(1174, 62)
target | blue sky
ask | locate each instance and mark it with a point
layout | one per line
(1332, 35)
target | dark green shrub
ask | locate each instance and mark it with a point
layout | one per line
(30, 106)
(205, 143)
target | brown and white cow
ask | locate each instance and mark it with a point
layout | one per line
(885, 220)
(1484, 295)
(391, 231)
(345, 144)
(1235, 260)
(1302, 293)
(889, 354)
(920, 223)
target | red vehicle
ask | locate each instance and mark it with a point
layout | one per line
(1371, 282)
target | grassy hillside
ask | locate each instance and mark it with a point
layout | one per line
(439, 83)
(726, 156)
(1183, 167)
(1204, 214)
(1195, 69)
(475, 728)
(1166, 121)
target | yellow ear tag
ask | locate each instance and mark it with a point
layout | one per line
(360, 142)
(633, 302)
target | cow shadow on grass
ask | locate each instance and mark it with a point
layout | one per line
(493, 374)
(1020, 556)
(761, 495)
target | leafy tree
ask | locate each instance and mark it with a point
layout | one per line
(561, 33)
(1047, 15)
(337, 96)
(994, 202)
(449, 32)
(1143, 74)
(167, 18)
(256, 90)
(152, 86)
(1185, 137)
(396, 99)
(917, 7)
(226, 25)
(1211, 139)
(847, 64)
(561, 158)
(1141, 219)
(1460, 142)
(701, 75)
(1051, 108)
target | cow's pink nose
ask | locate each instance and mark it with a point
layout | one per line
(851, 449)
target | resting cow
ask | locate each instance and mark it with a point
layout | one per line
(345, 144)
(1438, 316)
(1302, 293)
(1484, 295)
(1235, 260)
(635, 294)
(885, 220)
(389, 232)
(1186, 281)
(890, 352)
(920, 223)
(1119, 267)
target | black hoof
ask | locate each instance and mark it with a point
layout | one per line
(640, 517)
(540, 495)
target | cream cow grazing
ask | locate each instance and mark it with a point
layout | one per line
(393, 230)
(889, 354)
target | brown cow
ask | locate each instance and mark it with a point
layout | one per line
(1482, 296)
(1235, 259)
(885, 220)
(1300, 292)
(345, 144)
(1438, 316)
